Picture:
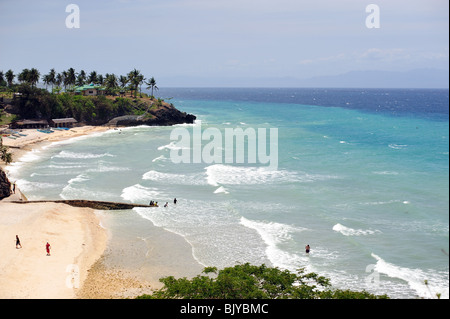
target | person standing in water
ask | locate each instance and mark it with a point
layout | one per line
(307, 248)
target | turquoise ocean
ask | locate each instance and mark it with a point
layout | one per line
(362, 177)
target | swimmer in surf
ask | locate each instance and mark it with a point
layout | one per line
(307, 248)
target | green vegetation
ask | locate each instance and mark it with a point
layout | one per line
(254, 282)
(64, 98)
(4, 154)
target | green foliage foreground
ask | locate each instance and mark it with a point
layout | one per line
(253, 282)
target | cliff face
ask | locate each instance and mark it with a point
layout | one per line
(165, 115)
(5, 185)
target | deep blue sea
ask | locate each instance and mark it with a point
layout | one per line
(362, 176)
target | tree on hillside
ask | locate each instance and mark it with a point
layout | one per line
(65, 79)
(151, 84)
(123, 80)
(81, 78)
(100, 79)
(111, 82)
(51, 77)
(59, 79)
(33, 77)
(4, 154)
(46, 80)
(23, 76)
(71, 77)
(135, 78)
(92, 79)
(9, 77)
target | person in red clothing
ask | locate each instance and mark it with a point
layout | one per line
(47, 248)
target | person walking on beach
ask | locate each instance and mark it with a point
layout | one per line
(307, 248)
(18, 245)
(47, 248)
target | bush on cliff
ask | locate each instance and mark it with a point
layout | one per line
(254, 282)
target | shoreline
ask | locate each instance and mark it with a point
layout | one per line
(94, 250)
(76, 237)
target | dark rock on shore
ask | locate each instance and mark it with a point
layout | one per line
(5, 185)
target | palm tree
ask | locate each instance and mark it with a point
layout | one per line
(2, 78)
(152, 84)
(66, 80)
(136, 79)
(24, 76)
(9, 77)
(123, 82)
(71, 77)
(33, 77)
(52, 77)
(81, 78)
(59, 79)
(100, 79)
(46, 79)
(92, 77)
(111, 82)
(140, 80)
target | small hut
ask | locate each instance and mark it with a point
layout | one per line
(23, 124)
(65, 122)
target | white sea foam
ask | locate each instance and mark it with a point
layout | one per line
(347, 231)
(385, 173)
(178, 179)
(27, 186)
(172, 146)
(221, 190)
(220, 174)
(79, 179)
(235, 175)
(397, 146)
(68, 154)
(437, 281)
(104, 168)
(159, 158)
(138, 193)
(385, 202)
(30, 156)
(273, 235)
(72, 191)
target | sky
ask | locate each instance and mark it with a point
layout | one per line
(189, 41)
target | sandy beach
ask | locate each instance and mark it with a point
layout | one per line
(77, 240)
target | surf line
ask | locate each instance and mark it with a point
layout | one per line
(226, 148)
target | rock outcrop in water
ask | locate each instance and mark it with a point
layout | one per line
(164, 115)
(100, 205)
(5, 185)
